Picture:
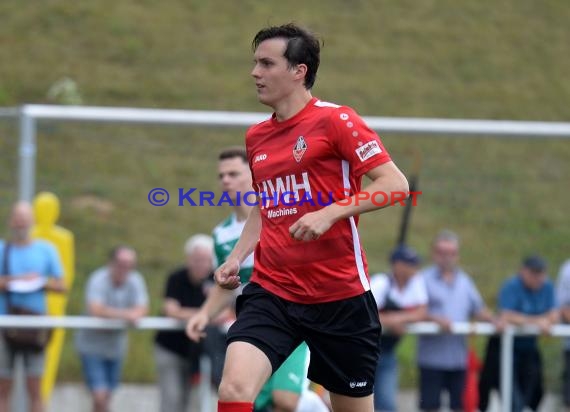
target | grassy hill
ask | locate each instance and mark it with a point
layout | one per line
(485, 59)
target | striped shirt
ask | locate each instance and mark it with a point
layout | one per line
(457, 301)
(226, 235)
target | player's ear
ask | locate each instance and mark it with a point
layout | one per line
(300, 71)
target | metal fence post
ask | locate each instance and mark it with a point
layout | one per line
(27, 154)
(26, 180)
(507, 346)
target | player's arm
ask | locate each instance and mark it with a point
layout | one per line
(227, 275)
(218, 299)
(387, 180)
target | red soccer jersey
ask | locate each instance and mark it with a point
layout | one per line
(299, 166)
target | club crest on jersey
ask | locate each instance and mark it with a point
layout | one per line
(300, 148)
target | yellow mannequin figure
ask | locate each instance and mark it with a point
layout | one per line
(46, 210)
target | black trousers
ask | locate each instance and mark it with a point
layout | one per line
(528, 388)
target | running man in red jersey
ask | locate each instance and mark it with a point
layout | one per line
(310, 280)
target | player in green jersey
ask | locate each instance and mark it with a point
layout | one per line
(287, 389)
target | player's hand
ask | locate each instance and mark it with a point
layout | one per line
(227, 275)
(311, 226)
(196, 326)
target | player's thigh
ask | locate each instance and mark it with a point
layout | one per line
(263, 321)
(246, 369)
(285, 401)
(343, 403)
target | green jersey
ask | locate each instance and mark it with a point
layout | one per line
(226, 235)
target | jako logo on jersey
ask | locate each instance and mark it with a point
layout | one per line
(354, 384)
(285, 190)
(368, 150)
(300, 148)
(260, 158)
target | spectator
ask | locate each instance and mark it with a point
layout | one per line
(528, 298)
(401, 298)
(177, 358)
(452, 297)
(115, 291)
(563, 292)
(32, 266)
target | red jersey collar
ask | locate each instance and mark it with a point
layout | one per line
(295, 117)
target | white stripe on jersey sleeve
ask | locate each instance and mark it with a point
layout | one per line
(355, 238)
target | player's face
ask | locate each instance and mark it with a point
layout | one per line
(274, 79)
(234, 176)
(446, 255)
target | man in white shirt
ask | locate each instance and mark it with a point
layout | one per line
(401, 298)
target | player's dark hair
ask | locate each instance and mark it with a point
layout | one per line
(303, 47)
(232, 153)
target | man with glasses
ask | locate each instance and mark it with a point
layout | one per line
(452, 297)
(115, 291)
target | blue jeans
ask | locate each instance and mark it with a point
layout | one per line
(386, 382)
(101, 374)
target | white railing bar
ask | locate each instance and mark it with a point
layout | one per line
(410, 125)
(163, 323)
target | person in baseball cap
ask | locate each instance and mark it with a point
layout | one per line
(406, 254)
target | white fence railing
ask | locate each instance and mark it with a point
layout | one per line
(421, 328)
(29, 115)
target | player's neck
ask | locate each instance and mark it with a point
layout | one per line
(242, 212)
(291, 105)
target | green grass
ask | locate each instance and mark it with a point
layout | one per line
(484, 59)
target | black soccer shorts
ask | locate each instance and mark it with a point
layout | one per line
(343, 336)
